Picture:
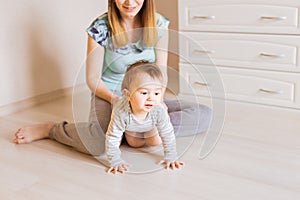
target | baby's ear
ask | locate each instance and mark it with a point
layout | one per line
(126, 94)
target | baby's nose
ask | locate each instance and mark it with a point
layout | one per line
(150, 96)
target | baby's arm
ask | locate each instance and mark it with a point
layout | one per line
(166, 132)
(113, 140)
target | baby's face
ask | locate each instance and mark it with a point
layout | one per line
(146, 94)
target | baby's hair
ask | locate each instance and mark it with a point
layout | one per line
(141, 68)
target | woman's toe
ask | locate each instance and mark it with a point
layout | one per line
(17, 133)
(22, 140)
(20, 136)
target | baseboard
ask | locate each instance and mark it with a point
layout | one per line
(23, 104)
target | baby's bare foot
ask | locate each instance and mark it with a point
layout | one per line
(31, 133)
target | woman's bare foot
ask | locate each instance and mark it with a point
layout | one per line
(31, 133)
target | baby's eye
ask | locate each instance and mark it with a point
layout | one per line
(157, 93)
(144, 93)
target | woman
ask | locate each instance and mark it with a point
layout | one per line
(129, 32)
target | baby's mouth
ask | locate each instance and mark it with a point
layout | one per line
(148, 105)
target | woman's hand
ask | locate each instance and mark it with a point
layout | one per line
(115, 99)
(122, 168)
(172, 164)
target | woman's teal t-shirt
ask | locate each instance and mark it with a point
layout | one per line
(116, 60)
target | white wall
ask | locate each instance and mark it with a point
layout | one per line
(169, 8)
(43, 44)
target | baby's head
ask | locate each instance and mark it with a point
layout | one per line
(142, 73)
(143, 81)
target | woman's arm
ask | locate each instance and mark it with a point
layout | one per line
(162, 60)
(162, 55)
(94, 64)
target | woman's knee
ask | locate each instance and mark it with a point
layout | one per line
(205, 110)
(92, 138)
(205, 117)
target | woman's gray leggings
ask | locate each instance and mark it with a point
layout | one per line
(89, 137)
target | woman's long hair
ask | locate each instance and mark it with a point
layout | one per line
(148, 21)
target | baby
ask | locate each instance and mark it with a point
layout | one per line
(141, 117)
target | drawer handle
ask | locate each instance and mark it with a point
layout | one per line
(270, 91)
(204, 51)
(271, 55)
(273, 18)
(201, 84)
(204, 17)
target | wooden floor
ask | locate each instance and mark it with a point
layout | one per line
(257, 157)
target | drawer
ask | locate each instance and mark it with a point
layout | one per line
(274, 52)
(257, 86)
(240, 16)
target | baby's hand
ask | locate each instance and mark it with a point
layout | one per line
(172, 164)
(122, 168)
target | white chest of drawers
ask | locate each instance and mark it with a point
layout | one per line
(254, 46)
